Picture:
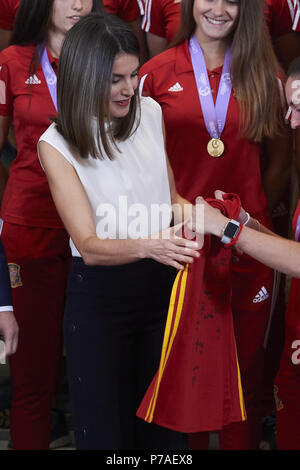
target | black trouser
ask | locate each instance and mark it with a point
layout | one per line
(114, 324)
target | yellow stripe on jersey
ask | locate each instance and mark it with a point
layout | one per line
(241, 395)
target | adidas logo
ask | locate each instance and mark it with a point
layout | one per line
(261, 296)
(33, 80)
(176, 87)
(279, 211)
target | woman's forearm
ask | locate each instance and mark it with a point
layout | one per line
(258, 242)
(96, 251)
(273, 251)
(162, 247)
(266, 247)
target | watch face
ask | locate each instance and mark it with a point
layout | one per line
(231, 230)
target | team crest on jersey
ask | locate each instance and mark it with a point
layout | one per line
(14, 274)
(279, 404)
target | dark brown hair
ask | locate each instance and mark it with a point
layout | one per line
(84, 83)
(253, 69)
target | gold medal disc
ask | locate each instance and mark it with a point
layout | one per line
(215, 148)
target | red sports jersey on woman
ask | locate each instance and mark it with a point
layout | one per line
(127, 10)
(27, 199)
(162, 17)
(8, 11)
(282, 16)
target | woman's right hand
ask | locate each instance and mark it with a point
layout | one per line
(168, 248)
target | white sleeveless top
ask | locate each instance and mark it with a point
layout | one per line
(130, 195)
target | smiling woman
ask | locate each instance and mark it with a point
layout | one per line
(219, 93)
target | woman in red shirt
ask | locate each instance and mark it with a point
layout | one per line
(35, 241)
(217, 140)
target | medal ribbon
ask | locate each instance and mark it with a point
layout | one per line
(214, 115)
(49, 73)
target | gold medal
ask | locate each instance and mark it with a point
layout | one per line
(215, 148)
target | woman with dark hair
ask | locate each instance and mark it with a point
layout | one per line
(107, 170)
(221, 104)
(33, 235)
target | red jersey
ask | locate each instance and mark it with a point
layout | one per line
(8, 9)
(162, 18)
(282, 16)
(169, 79)
(27, 199)
(127, 10)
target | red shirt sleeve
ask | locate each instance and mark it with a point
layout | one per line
(282, 16)
(127, 10)
(8, 10)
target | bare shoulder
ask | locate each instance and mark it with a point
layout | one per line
(52, 159)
